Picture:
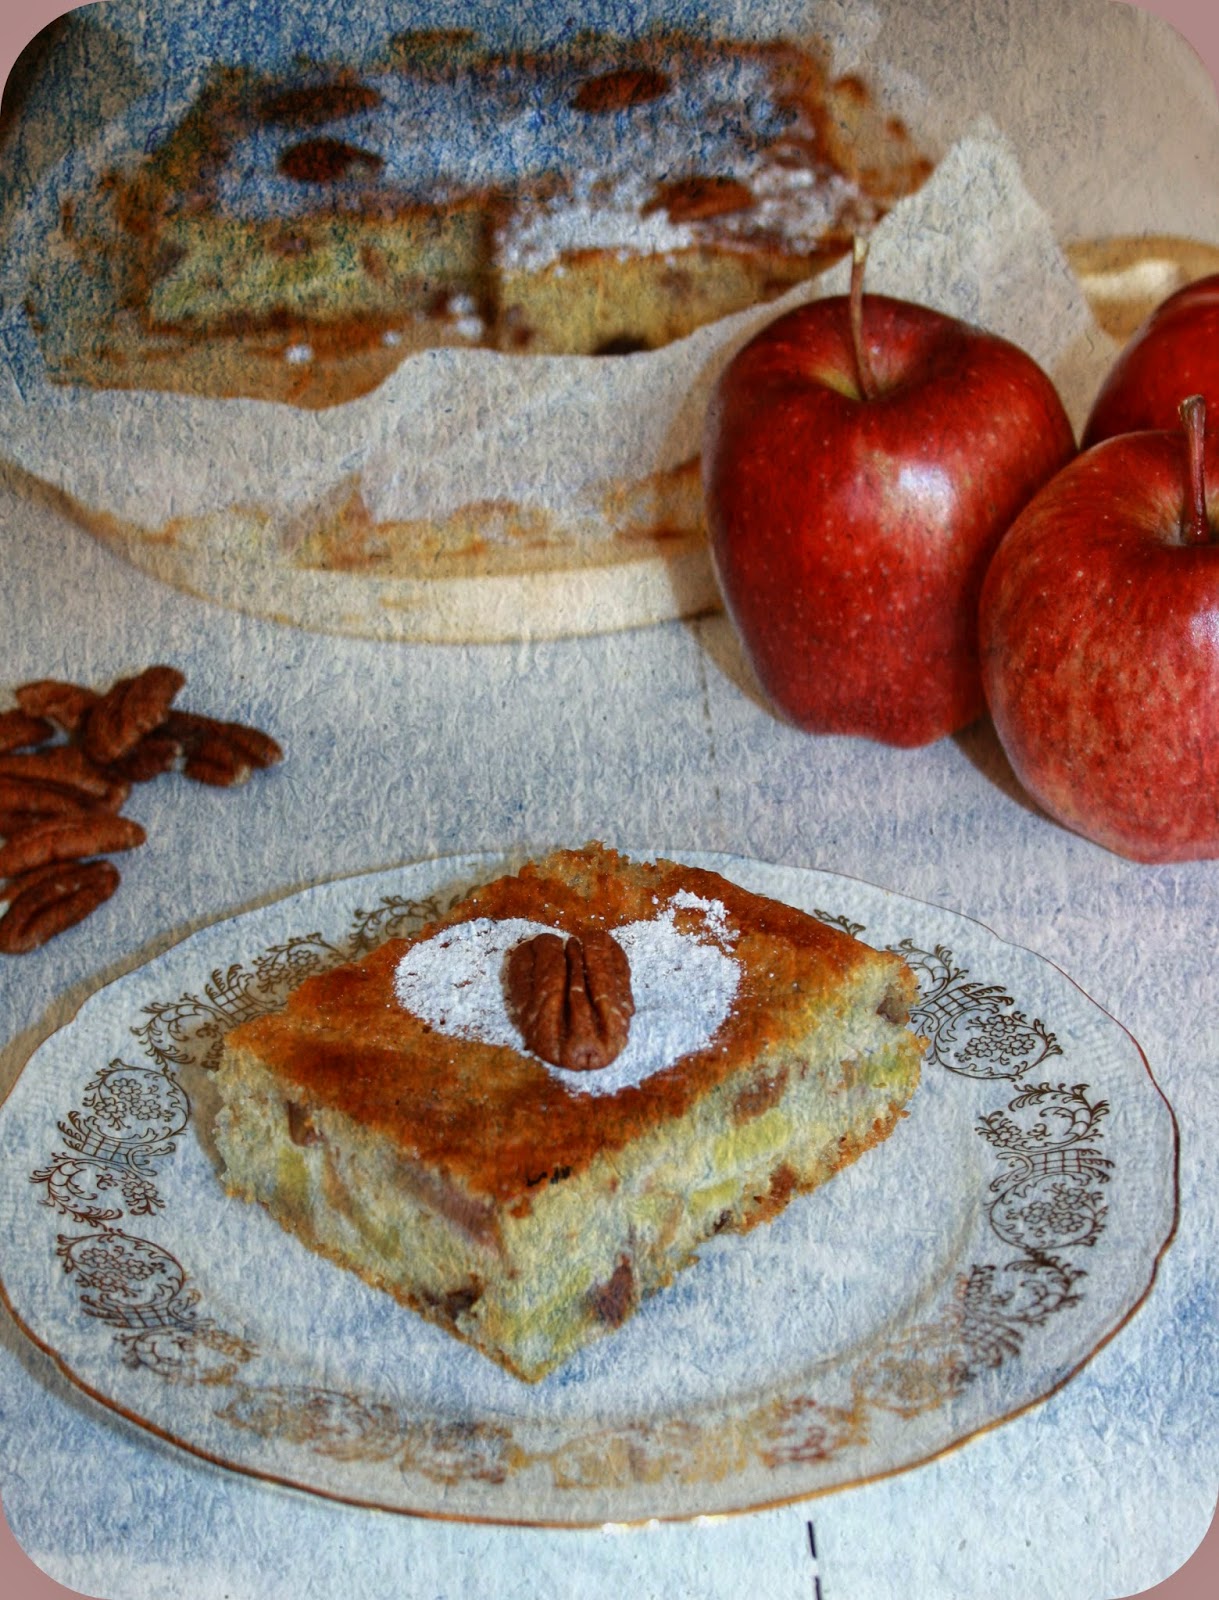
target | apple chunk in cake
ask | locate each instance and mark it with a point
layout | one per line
(526, 1118)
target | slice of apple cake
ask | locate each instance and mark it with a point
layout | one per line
(527, 1118)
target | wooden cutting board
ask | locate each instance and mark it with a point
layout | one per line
(1124, 279)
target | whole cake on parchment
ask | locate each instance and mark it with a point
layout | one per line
(482, 285)
(297, 234)
(526, 1118)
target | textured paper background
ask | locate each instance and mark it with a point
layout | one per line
(1085, 1497)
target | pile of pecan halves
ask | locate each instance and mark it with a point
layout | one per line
(68, 759)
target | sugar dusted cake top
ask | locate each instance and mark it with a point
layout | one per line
(647, 146)
(721, 977)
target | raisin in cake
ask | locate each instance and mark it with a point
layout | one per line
(522, 1136)
(295, 235)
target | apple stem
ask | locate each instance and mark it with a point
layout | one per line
(1193, 419)
(864, 374)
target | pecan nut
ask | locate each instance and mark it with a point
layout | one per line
(156, 754)
(44, 902)
(620, 90)
(68, 769)
(696, 199)
(68, 838)
(324, 160)
(312, 105)
(20, 730)
(23, 800)
(571, 998)
(65, 704)
(127, 711)
(221, 753)
(59, 801)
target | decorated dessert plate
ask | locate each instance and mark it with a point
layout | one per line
(954, 1276)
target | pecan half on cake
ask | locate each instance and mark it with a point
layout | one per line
(402, 1117)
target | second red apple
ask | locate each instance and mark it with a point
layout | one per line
(1175, 353)
(862, 458)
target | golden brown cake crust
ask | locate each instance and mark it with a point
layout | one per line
(497, 1121)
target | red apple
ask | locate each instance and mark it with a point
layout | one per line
(1173, 354)
(862, 458)
(1099, 625)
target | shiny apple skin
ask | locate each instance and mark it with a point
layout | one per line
(1174, 354)
(1100, 651)
(849, 536)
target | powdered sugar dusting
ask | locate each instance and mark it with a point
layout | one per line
(453, 980)
(684, 984)
(581, 179)
(715, 913)
(486, 126)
